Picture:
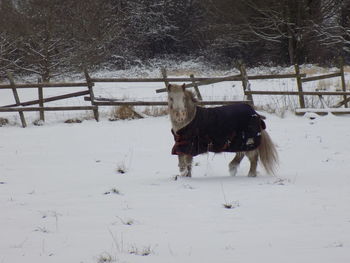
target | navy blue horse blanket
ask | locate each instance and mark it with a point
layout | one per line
(231, 128)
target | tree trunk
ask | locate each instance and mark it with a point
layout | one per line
(291, 47)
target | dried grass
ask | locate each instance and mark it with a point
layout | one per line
(347, 69)
(314, 71)
(323, 85)
(74, 120)
(3, 122)
(124, 112)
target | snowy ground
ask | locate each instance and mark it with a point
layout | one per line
(63, 197)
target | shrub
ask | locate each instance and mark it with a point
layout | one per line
(124, 112)
(3, 122)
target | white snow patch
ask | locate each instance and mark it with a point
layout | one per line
(62, 198)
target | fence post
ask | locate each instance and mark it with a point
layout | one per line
(343, 84)
(164, 74)
(300, 86)
(41, 101)
(199, 96)
(15, 95)
(90, 85)
(245, 82)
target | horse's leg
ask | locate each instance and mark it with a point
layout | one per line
(185, 165)
(233, 165)
(189, 159)
(253, 158)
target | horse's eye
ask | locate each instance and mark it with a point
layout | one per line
(171, 99)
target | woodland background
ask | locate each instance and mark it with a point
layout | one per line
(49, 37)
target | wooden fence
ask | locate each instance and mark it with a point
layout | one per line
(301, 78)
(191, 81)
(22, 107)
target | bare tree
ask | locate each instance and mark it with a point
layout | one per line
(46, 37)
(334, 31)
(42, 48)
(8, 53)
(9, 23)
(287, 31)
(96, 30)
(297, 25)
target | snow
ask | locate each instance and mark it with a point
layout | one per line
(325, 110)
(63, 197)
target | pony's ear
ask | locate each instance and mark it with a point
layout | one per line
(194, 99)
(183, 87)
(168, 87)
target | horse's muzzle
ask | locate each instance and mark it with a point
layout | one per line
(180, 116)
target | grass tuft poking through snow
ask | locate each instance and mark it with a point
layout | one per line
(106, 258)
(124, 112)
(145, 251)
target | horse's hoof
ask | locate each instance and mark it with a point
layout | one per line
(252, 175)
(185, 173)
(233, 171)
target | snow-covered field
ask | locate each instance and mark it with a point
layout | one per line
(104, 192)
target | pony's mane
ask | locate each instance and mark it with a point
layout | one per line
(189, 94)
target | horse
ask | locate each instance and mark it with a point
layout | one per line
(234, 128)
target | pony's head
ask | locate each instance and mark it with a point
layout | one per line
(182, 104)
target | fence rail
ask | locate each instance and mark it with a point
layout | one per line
(196, 79)
(162, 103)
(302, 93)
(209, 81)
(63, 108)
(50, 99)
(327, 76)
(44, 85)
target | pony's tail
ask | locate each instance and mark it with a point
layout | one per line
(267, 153)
